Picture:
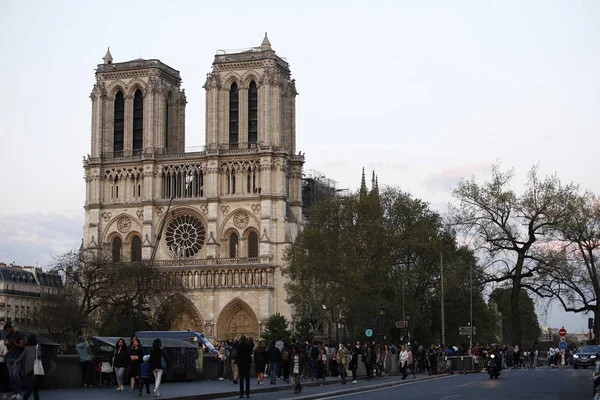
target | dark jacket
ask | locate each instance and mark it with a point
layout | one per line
(274, 354)
(134, 365)
(243, 358)
(145, 371)
(155, 359)
(260, 358)
(121, 358)
(302, 364)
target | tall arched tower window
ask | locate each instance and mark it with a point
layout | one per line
(166, 123)
(233, 245)
(252, 114)
(136, 248)
(253, 244)
(116, 249)
(233, 116)
(119, 124)
(138, 122)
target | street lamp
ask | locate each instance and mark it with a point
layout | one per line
(408, 326)
(381, 317)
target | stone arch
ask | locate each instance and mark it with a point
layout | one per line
(178, 313)
(235, 319)
(114, 87)
(248, 77)
(230, 78)
(253, 221)
(136, 227)
(134, 85)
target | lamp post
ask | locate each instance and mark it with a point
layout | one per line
(381, 316)
(408, 327)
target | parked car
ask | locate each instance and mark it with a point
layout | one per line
(586, 357)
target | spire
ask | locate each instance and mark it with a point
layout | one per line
(108, 57)
(373, 181)
(363, 184)
(265, 45)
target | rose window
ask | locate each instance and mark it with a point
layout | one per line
(185, 236)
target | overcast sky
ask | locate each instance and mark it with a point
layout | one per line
(423, 92)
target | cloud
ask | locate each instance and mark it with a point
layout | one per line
(35, 238)
(447, 179)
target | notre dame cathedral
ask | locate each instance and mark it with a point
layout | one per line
(235, 204)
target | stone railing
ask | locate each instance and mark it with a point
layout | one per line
(226, 278)
(264, 260)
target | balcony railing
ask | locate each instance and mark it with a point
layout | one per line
(264, 260)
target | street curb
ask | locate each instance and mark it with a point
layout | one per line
(287, 387)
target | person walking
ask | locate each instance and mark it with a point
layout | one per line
(274, 357)
(260, 361)
(298, 368)
(85, 360)
(4, 376)
(342, 359)
(243, 360)
(403, 360)
(145, 375)
(120, 362)
(158, 364)
(354, 364)
(136, 354)
(221, 360)
(15, 343)
(30, 354)
(368, 358)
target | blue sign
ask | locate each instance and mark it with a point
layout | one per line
(369, 332)
(562, 345)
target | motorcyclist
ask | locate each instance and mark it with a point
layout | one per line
(495, 350)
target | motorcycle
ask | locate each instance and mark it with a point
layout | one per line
(493, 368)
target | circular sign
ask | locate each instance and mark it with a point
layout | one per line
(562, 345)
(562, 332)
(369, 332)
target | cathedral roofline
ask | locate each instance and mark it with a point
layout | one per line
(262, 52)
(136, 65)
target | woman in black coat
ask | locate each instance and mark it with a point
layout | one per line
(158, 364)
(243, 360)
(136, 353)
(260, 361)
(120, 362)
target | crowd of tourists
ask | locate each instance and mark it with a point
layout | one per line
(20, 356)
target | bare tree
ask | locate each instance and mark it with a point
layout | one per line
(510, 231)
(571, 275)
(96, 290)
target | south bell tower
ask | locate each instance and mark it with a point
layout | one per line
(235, 205)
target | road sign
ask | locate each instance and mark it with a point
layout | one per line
(401, 324)
(466, 330)
(563, 339)
(562, 332)
(562, 345)
(369, 332)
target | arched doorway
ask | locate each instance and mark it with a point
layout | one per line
(178, 313)
(236, 319)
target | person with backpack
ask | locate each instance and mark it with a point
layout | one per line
(342, 359)
(285, 364)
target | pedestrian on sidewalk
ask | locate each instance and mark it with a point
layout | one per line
(85, 360)
(274, 357)
(342, 359)
(158, 364)
(354, 363)
(31, 352)
(136, 354)
(260, 361)
(299, 367)
(145, 375)
(120, 362)
(403, 361)
(4, 376)
(243, 360)
(221, 360)
(234, 366)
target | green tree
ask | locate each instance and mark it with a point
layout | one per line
(530, 328)
(379, 250)
(276, 329)
(510, 230)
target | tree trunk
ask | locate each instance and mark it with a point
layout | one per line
(596, 324)
(515, 315)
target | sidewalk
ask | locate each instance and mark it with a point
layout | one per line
(200, 390)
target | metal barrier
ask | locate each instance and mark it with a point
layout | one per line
(460, 364)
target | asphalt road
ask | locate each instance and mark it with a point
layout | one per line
(546, 384)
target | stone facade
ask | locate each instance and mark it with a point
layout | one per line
(233, 206)
(23, 291)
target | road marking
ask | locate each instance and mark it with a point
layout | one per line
(454, 396)
(387, 387)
